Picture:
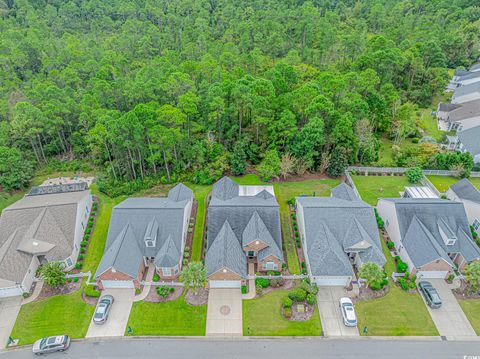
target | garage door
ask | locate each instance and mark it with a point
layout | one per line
(225, 284)
(332, 281)
(110, 284)
(432, 274)
(10, 292)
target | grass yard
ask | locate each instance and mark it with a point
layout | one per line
(398, 313)
(443, 182)
(170, 318)
(200, 193)
(6, 199)
(61, 314)
(371, 188)
(471, 308)
(263, 317)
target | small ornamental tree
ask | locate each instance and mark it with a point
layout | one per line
(52, 274)
(472, 276)
(373, 274)
(414, 174)
(194, 276)
(270, 167)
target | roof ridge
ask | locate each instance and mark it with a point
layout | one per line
(431, 239)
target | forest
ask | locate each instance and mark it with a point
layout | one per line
(166, 90)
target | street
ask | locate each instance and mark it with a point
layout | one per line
(265, 348)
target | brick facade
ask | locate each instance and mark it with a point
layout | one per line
(252, 246)
(270, 258)
(111, 275)
(228, 275)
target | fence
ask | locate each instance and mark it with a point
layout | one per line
(295, 276)
(352, 184)
(401, 170)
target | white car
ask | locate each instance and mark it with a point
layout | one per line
(348, 312)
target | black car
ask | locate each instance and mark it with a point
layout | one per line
(430, 294)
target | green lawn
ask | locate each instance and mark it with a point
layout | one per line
(170, 318)
(6, 199)
(200, 193)
(371, 188)
(61, 314)
(443, 182)
(471, 308)
(398, 313)
(263, 317)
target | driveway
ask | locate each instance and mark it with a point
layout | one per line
(224, 312)
(9, 309)
(330, 315)
(450, 319)
(118, 316)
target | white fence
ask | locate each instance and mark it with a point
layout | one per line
(401, 170)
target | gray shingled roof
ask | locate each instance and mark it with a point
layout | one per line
(470, 139)
(180, 193)
(419, 220)
(464, 189)
(48, 219)
(146, 218)
(344, 191)
(466, 110)
(466, 89)
(460, 72)
(447, 106)
(468, 75)
(475, 67)
(225, 252)
(257, 230)
(339, 226)
(225, 189)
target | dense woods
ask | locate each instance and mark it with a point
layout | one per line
(195, 88)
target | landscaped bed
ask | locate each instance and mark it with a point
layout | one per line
(170, 318)
(371, 188)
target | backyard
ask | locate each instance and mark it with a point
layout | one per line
(443, 182)
(263, 317)
(171, 318)
(371, 188)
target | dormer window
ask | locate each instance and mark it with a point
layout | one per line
(149, 243)
(448, 236)
(150, 237)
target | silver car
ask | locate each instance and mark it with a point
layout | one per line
(103, 307)
(46, 345)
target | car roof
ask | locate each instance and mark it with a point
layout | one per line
(55, 340)
(346, 300)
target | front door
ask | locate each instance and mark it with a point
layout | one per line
(251, 254)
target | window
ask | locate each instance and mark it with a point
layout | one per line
(167, 272)
(149, 243)
(251, 253)
(76, 247)
(175, 269)
(476, 224)
(270, 266)
(387, 223)
(69, 262)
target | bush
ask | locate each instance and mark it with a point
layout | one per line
(88, 231)
(310, 289)
(311, 299)
(75, 280)
(187, 249)
(287, 312)
(137, 291)
(185, 261)
(403, 283)
(164, 291)
(390, 244)
(90, 291)
(414, 174)
(259, 289)
(287, 303)
(401, 266)
(186, 254)
(450, 278)
(297, 295)
(78, 265)
(80, 257)
(277, 282)
(86, 237)
(83, 244)
(303, 265)
(263, 282)
(156, 277)
(82, 250)
(380, 222)
(244, 289)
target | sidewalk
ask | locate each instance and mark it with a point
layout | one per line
(146, 287)
(251, 284)
(35, 294)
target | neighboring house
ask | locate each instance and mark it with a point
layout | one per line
(431, 235)
(466, 93)
(243, 228)
(143, 231)
(338, 233)
(466, 141)
(464, 191)
(462, 78)
(458, 117)
(46, 225)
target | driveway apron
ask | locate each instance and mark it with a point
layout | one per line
(330, 315)
(117, 318)
(224, 312)
(9, 309)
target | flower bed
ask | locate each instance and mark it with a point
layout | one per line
(201, 298)
(154, 297)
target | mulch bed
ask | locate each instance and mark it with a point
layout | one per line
(200, 299)
(462, 293)
(48, 291)
(301, 317)
(289, 284)
(191, 224)
(90, 300)
(153, 296)
(368, 293)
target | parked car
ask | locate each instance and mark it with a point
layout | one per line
(46, 345)
(348, 312)
(430, 294)
(102, 310)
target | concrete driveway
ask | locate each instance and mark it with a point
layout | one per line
(224, 312)
(330, 315)
(9, 308)
(450, 319)
(118, 316)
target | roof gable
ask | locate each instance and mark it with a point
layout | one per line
(464, 189)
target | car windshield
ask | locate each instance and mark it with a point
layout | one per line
(435, 297)
(43, 342)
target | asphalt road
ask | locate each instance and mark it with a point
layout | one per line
(260, 348)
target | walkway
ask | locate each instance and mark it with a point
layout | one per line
(330, 315)
(146, 287)
(251, 283)
(117, 318)
(224, 312)
(35, 294)
(9, 309)
(450, 319)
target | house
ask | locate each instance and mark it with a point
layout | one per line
(431, 235)
(457, 117)
(243, 228)
(462, 78)
(469, 141)
(466, 93)
(464, 191)
(144, 231)
(418, 192)
(338, 233)
(48, 224)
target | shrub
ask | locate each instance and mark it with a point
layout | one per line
(287, 303)
(82, 250)
(297, 295)
(86, 237)
(78, 265)
(75, 280)
(450, 278)
(89, 224)
(291, 201)
(390, 244)
(187, 249)
(156, 277)
(403, 283)
(94, 205)
(164, 291)
(299, 245)
(263, 282)
(277, 282)
(397, 258)
(80, 257)
(90, 291)
(311, 299)
(310, 289)
(303, 264)
(258, 289)
(287, 312)
(137, 291)
(414, 174)
(83, 244)
(294, 216)
(185, 261)
(186, 254)
(401, 266)
(380, 222)
(284, 266)
(88, 231)
(244, 289)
